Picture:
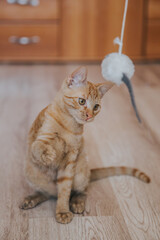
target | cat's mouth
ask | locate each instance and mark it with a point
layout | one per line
(89, 119)
(83, 121)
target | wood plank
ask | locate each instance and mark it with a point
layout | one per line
(44, 47)
(20, 89)
(45, 10)
(3, 230)
(98, 228)
(153, 39)
(116, 208)
(147, 89)
(12, 141)
(153, 9)
(95, 26)
(122, 141)
(100, 194)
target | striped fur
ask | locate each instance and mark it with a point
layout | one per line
(56, 162)
(100, 173)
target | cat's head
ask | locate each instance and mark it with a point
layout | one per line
(82, 98)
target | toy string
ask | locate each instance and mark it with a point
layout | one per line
(117, 40)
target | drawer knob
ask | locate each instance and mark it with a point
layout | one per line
(24, 2)
(24, 40)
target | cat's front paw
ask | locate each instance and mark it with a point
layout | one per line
(28, 203)
(44, 154)
(64, 217)
(77, 205)
(48, 157)
(77, 208)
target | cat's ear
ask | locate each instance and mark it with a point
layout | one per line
(104, 87)
(78, 78)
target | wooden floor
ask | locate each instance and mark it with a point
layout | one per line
(117, 208)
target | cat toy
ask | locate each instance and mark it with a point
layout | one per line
(119, 68)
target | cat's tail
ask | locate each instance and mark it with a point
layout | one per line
(99, 173)
(130, 89)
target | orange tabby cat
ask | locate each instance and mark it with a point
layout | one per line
(56, 163)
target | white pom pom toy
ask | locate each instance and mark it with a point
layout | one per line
(114, 65)
(118, 68)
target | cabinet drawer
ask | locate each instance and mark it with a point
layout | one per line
(45, 9)
(154, 9)
(28, 42)
(153, 39)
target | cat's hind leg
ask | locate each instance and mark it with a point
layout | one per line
(77, 202)
(42, 183)
(33, 200)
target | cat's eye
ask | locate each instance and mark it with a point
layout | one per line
(81, 101)
(96, 107)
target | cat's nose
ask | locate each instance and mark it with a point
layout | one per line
(88, 115)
